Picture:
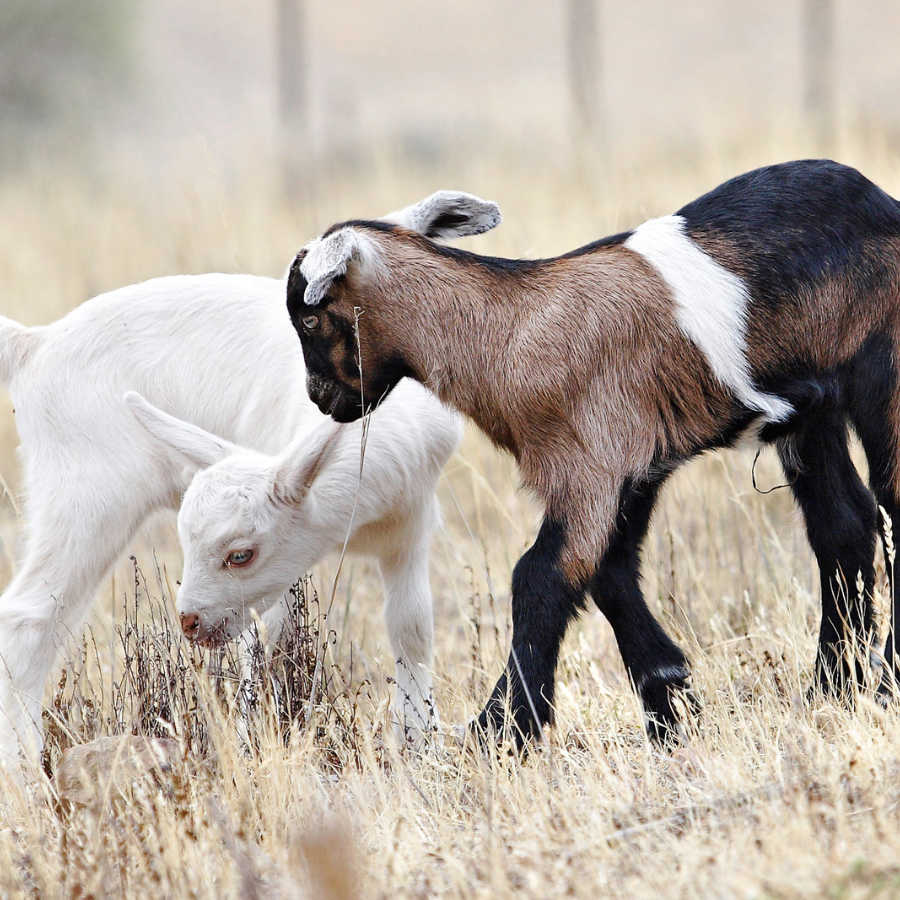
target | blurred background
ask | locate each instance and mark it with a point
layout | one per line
(148, 90)
(316, 110)
(143, 138)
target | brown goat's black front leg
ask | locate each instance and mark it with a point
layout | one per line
(543, 604)
(658, 668)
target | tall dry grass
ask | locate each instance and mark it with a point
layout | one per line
(770, 795)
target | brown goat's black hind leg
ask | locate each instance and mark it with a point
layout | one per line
(543, 604)
(872, 399)
(840, 520)
(658, 668)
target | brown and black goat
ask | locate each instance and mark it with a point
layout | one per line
(770, 304)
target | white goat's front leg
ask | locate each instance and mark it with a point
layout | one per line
(410, 623)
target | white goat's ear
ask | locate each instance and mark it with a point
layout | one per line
(447, 215)
(192, 447)
(304, 461)
(328, 258)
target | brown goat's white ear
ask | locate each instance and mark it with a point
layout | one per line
(303, 461)
(448, 214)
(189, 446)
(328, 258)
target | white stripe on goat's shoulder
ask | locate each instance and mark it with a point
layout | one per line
(711, 307)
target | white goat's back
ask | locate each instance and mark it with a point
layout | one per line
(217, 350)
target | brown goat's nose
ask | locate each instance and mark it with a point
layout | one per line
(190, 624)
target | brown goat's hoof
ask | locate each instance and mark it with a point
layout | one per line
(665, 695)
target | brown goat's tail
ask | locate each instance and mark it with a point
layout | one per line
(17, 343)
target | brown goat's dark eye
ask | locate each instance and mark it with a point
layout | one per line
(310, 322)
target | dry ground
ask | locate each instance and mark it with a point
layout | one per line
(769, 797)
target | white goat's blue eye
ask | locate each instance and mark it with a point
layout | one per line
(238, 558)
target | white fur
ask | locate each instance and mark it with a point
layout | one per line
(294, 507)
(218, 351)
(711, 307)
(328, 257)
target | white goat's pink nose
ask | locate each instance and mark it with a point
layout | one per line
(190, 624)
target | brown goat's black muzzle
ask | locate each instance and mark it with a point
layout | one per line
(333, 399)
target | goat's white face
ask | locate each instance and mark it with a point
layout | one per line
(245, 524)
(242, 548)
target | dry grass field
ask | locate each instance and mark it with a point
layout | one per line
(770, 796)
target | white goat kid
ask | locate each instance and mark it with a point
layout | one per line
(249, 522)
(219, 351)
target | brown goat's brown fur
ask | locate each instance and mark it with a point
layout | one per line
(577, 365)
(570, 403)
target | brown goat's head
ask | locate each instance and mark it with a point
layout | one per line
(336, 299)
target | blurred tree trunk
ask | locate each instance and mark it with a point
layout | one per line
(291, 91)
(584, 69)
(819, 99)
